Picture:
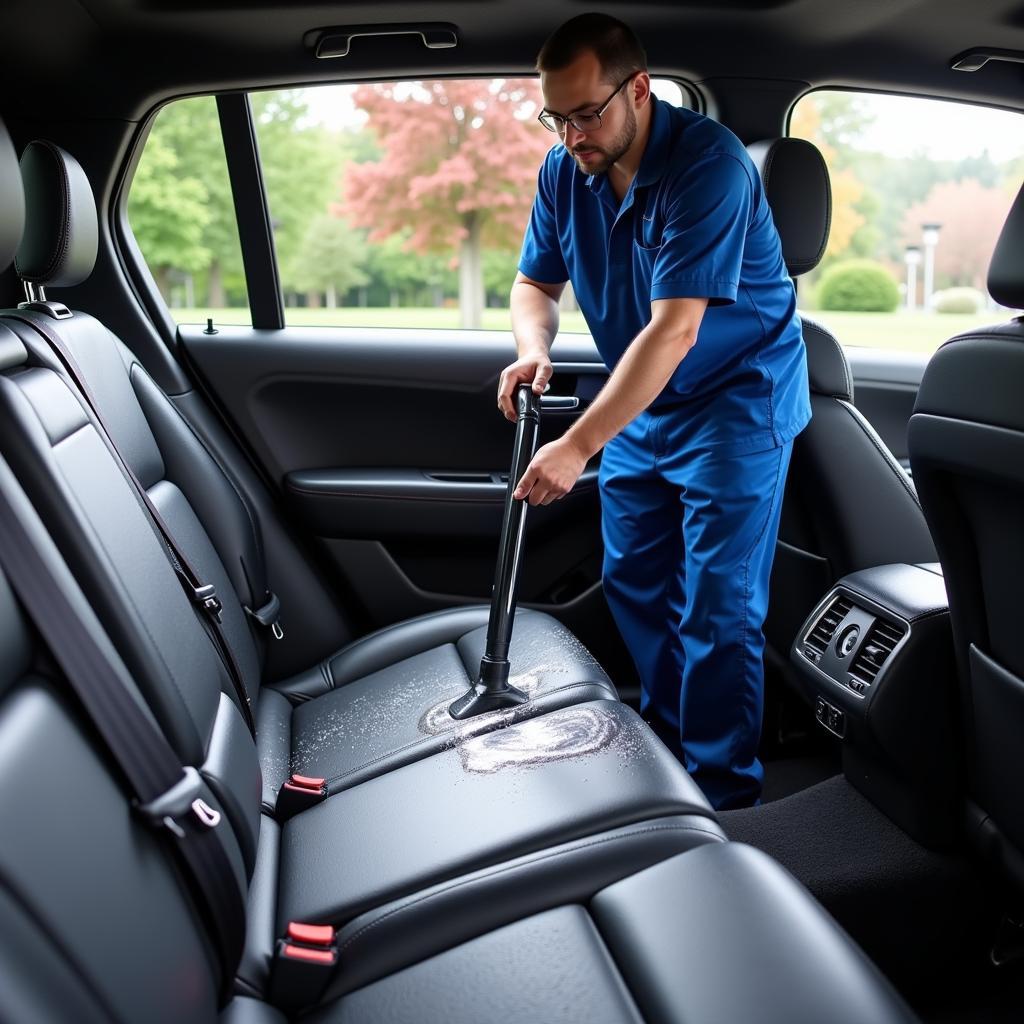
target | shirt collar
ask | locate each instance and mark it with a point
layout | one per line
(656, 153)
(655, 159)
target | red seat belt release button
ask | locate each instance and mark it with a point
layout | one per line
(298, 793)
(311, 934)
(305, 962)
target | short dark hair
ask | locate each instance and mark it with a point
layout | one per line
(613, 42)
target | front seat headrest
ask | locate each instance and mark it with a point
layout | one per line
(1006, 271)
(60, 242)
(12, 220)
(798, 190)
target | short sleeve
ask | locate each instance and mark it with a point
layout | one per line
(541, 258)
(706, 222)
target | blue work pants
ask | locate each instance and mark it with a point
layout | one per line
(689, 538)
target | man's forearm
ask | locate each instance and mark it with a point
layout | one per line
(534, 318)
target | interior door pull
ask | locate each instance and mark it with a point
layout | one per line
(553, 405)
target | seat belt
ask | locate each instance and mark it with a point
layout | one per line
(165, 793)
(201, 594)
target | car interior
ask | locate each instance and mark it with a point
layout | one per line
(246, 568)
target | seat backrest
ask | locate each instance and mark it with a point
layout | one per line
(848, 504)
(96, 923)
(56, 449)
(967, 453)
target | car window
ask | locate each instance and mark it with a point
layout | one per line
(407, 204)
(920, 191)
(393, 204)
(181, 213)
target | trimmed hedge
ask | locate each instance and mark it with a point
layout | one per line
(860, 286)
(958, 300)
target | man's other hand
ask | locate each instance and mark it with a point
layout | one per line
(552, 474)
(530, 369)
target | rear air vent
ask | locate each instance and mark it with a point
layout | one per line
(825, 628)
(881, 641)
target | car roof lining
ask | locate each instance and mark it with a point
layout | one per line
(124, 56)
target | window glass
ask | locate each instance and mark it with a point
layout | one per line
(920, 191)
(183, 218)
(403, 204)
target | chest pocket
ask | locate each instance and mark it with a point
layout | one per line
(648, 228)
(649, 220)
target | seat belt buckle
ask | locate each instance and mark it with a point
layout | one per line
(268, 614)
(304, 962)
(206, 596)
(183, 801)
(297, 794)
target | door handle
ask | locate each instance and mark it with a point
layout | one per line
(559, 405)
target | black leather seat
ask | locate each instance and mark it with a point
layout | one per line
(362, 711)
(967, 453)
(848, 504)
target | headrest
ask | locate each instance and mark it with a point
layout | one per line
(1006, 271)
(12, 220)
(828, 370)
(796, 185)
(60, 240)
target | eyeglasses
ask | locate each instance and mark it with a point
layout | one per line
(581, 122)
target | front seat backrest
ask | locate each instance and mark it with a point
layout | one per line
(967, 452)
(848, 504)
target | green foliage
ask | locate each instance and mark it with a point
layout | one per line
(405, 274)
(180, 205)
(958, 300)
(843, 120)
(168, 213)
(499, 266)
(859, 286)
(330, 258)
(300, 170)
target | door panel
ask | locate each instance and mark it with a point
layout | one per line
(388, 447)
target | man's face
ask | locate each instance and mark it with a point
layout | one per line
(582, 88)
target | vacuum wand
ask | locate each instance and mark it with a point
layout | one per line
(492, 691)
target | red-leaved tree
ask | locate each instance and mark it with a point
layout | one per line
(458, 171)
(971, 216)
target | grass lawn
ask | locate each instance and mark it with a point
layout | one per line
(915, 332)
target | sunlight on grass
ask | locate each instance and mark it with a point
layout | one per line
(911, 332)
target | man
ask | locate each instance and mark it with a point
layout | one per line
(658, 218)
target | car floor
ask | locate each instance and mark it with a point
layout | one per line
(926, 918)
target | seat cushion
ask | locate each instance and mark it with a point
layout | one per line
(382, 702)
(719, 933)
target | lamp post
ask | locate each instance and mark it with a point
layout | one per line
(930, 237)
(912, 258)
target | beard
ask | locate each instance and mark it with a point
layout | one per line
(615, 149)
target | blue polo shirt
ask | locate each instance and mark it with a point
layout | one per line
(694, 224)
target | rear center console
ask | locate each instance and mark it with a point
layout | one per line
(876, 660)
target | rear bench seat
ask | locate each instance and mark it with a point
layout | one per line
(98, 926)
(490, 879)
